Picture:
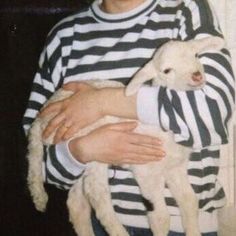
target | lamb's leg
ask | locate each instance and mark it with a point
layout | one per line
(151, 183)
(79, 210)
(35, 175)
(177, 180)
(97, 190)
(35, 183)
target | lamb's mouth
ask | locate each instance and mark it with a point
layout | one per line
(197, 84)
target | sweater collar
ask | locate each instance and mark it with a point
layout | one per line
(102, 16)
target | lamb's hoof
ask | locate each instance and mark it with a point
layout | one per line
(41, 203)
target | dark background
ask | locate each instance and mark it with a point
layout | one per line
(24, 25)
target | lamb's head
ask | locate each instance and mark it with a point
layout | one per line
(176, 65)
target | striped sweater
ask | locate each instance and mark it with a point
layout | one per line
(94, 44)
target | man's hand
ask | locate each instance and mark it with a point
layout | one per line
(73, 113)
(117, 144)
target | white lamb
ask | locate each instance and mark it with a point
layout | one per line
(176, 66)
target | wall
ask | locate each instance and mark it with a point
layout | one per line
(24, 25)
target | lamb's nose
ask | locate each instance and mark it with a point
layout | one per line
(197, 76)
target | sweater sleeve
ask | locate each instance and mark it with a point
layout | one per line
(60, 168)
(197, 118)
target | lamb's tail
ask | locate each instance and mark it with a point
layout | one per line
(35, 169)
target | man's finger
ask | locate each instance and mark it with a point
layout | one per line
(148, 150)
(51, 108)
(53, 124)
(59, 134)
(123, 126)
(71, 132)
(138, 159)
(141, 139)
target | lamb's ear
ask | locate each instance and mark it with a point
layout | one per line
(144, 74)
(207, 44)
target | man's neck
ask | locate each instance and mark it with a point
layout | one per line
(120, 6)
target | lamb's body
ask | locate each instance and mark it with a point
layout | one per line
(93, 189)
(94, 182)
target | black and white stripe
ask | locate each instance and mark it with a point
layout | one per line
(90, 44)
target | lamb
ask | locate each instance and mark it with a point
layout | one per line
(92, 189)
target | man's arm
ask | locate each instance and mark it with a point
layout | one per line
(197, 118)
(61, 168)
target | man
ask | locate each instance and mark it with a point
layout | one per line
(111, 40)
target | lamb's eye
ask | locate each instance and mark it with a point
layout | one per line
(167, 71)
(196, 55)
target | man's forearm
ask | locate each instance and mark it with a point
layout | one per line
(114, 102)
